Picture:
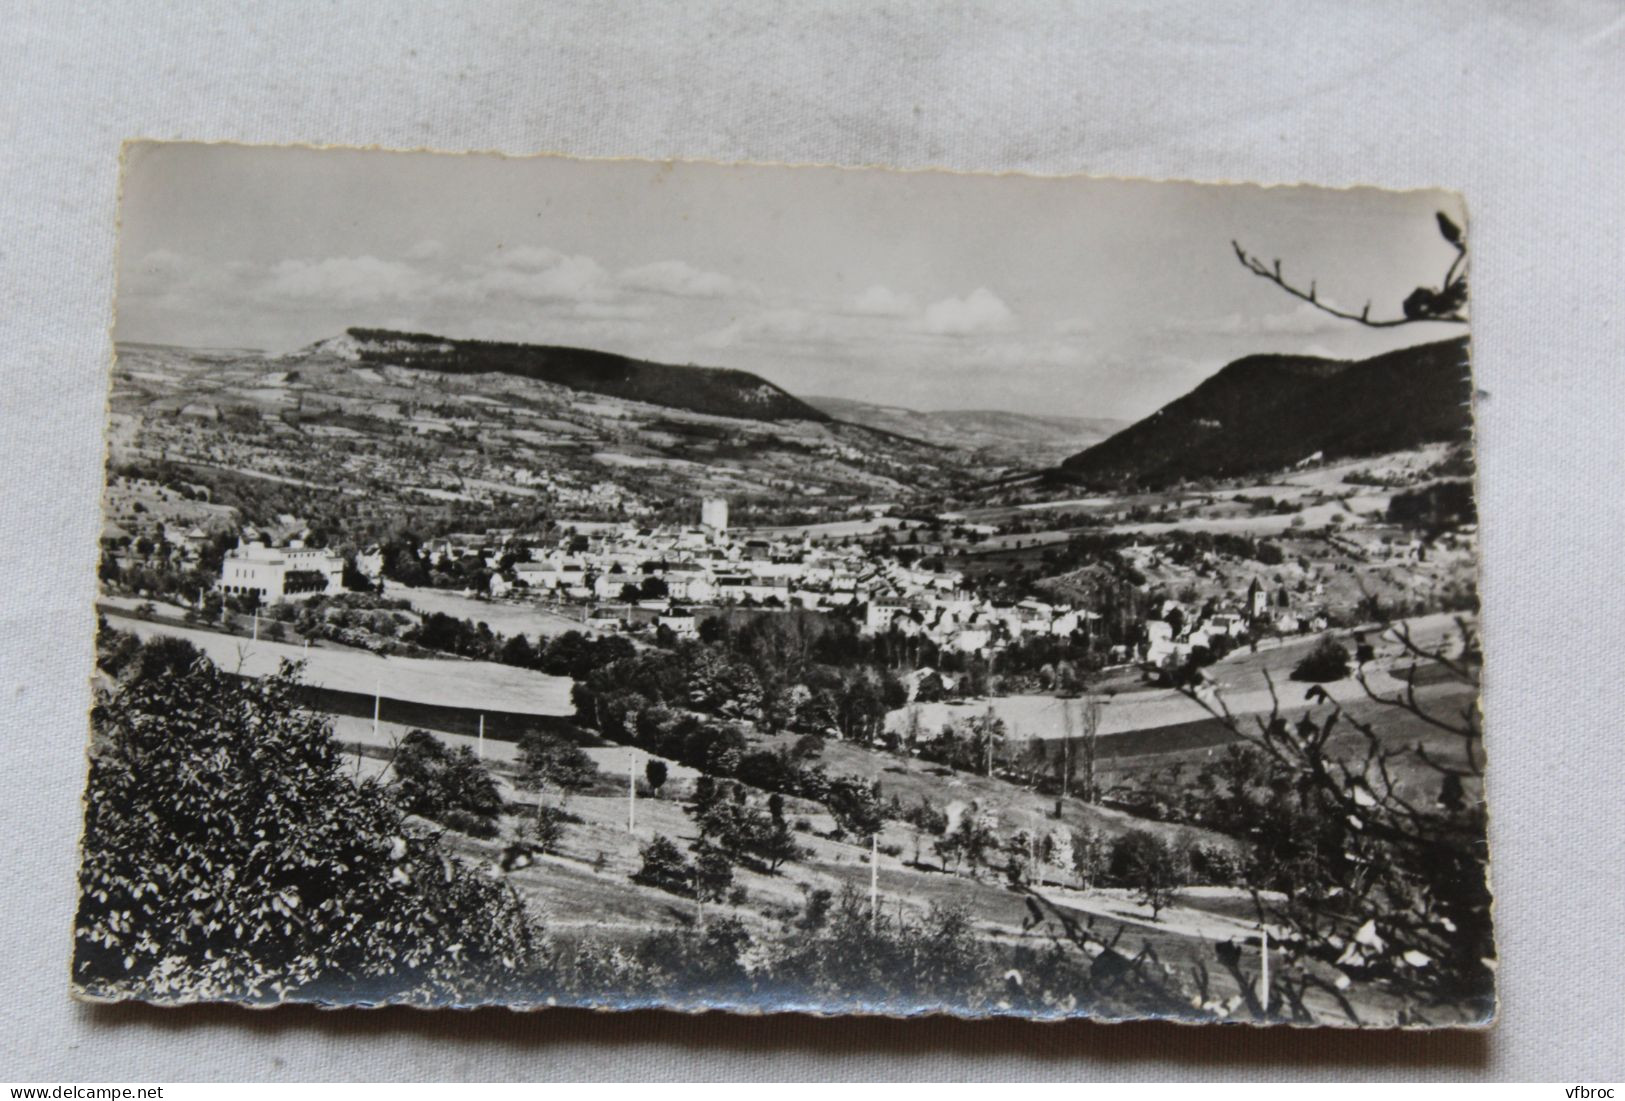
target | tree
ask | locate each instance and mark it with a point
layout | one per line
(778, 844)
(548, 760)
(1442, 303)
(228, 855)
(1394, 888)
(856, 806)
(1080, 749)
(517, 651)
(654, 771)
(1328, 661)
(664, 866)
(713, 872)
(968, 840)
(446, 786)
(405, 567)
(1088, 855)
(1150, 866)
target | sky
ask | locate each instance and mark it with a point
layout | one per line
(1070, 296)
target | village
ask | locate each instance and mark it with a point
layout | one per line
(892, 574)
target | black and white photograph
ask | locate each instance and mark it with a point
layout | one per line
(537, 581)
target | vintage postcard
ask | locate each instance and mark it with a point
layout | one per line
(536, 581)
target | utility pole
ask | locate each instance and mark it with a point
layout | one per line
(874, 879)
(482, 736)
(377, 706)
(1066, 747)
(1264, 971)
(256, 637)
(632, 791)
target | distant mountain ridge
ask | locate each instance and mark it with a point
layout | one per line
(1266, 412)
(1033, 439)
(719, 391)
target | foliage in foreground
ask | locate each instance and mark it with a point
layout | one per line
(836, 955)
(1384, 877)
(227, 854)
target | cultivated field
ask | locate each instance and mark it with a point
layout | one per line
(505, 617)
(1246, 683)
(444, 681)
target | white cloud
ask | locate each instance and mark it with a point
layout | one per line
(539, 275)
(426, 250)
(614, 310)
(674, 277)
(769, 326)
(524, 257)
(1020, 354)
(880, 301)
(979, 311)
(347, 280)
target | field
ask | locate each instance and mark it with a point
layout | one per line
(583, 887)
(1243, 681)
(505, 617)
(443, 681)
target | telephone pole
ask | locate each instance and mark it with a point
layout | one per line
(1264, 970)
(481, 743)
(874, 879)
(632, 791)
(377, 705)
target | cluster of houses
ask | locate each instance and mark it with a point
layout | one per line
(660, 570)
(708, 564)
(610, 569)
(960, 622)
(1179, 629)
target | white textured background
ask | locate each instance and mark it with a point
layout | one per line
(1518, 105)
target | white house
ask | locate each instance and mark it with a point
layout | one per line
(370, 562)
(681, 624)
(280, 573)
(714, 513)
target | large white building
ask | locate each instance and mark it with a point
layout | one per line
(280, 573)
(714, 514)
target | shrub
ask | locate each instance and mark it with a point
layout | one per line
(665, 866)
(1148, 865)
(547, 760)
(713, 872)
(655, 772)
(449, 787)
(1328, 661)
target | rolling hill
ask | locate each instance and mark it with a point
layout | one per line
(714, 390)
(1001, 436)
(1265, 412)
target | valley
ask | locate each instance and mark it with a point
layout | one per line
(974, 662)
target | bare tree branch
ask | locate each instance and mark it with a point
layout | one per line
(1424, 304)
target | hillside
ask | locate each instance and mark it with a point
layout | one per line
(713, 390)
(1270, 411)
(997, 435)
(451, 449)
